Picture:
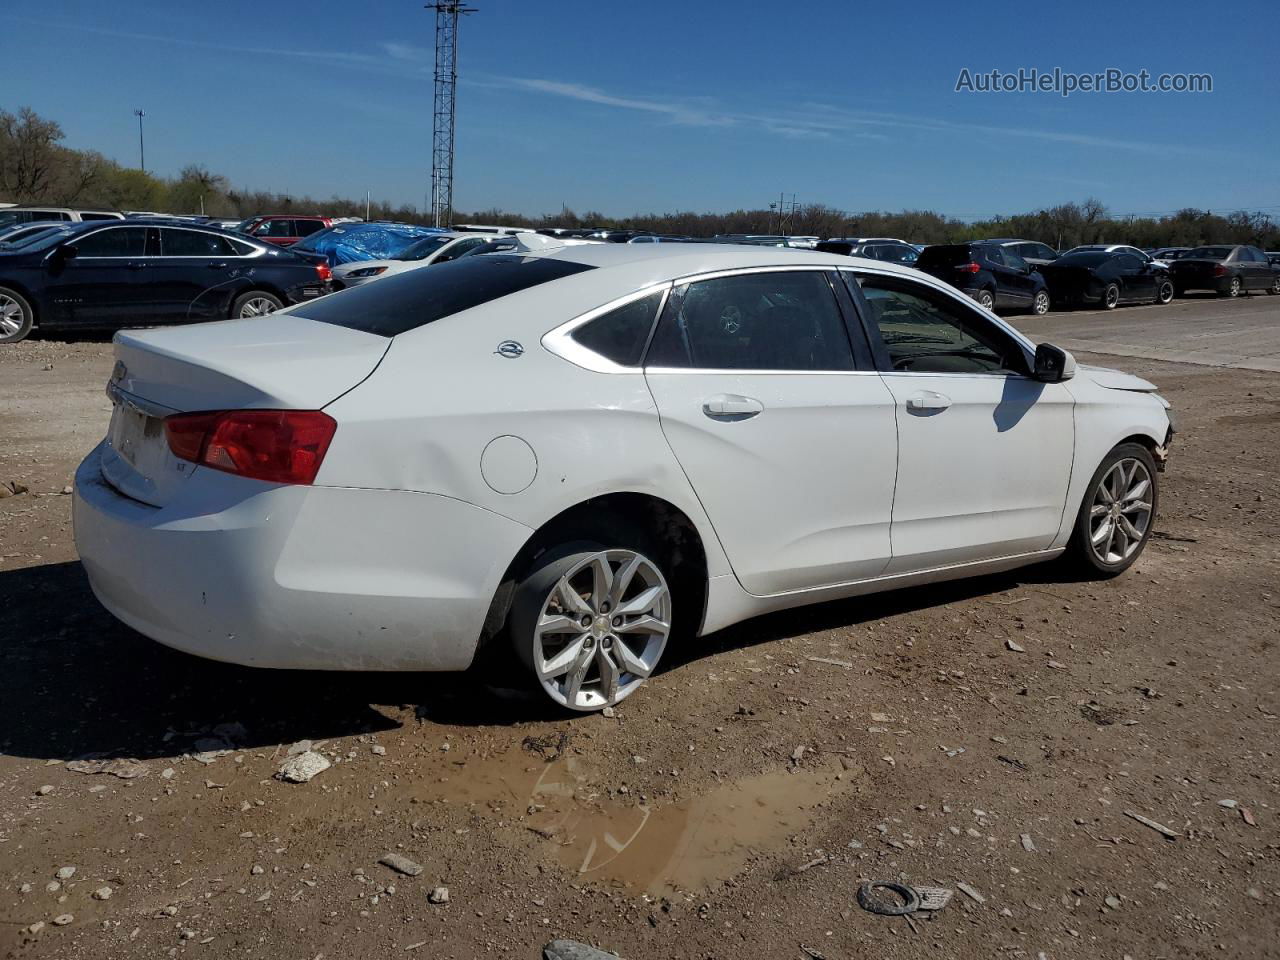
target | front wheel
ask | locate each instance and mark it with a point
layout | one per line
(1235, 288)
(1164, 293)
(1275, 287)
(16, 316)
(1118, 512)
(1110, 297)
(255, 303)
(1040, 303)
(591, 622)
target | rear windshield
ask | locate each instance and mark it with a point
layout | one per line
(944, 255)
(1209, 253)
(417, 297)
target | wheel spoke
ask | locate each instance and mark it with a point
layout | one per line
(644, 625)
(622, 579)
(1103, 533)
(1138, 489)
(1098, 510)
(1137, 506)
(601, 579)
(608, 676)
(631, 663)
(1104, 491)
(558, 623)
(642, 602)
(573, 682)
(564, 660)
(1129, 529)
(570, 599)
(1117, 535)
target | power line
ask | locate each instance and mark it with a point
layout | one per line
(443, 114)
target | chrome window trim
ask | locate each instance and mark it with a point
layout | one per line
(560, 342)
(258, 250)
(114, 225)
(736, 372)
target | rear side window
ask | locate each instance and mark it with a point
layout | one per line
(417, 297)
(620, 335)
(305, 228)
(193, 243)
(755, 321)
(944, 255)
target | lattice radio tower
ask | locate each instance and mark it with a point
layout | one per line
(442, 126)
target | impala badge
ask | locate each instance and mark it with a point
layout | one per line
(510, 349)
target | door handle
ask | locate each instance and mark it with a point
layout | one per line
(216, 266)
(731, 406)
(928, 400)
(135, 266)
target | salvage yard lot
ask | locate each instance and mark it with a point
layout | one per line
(992, 732)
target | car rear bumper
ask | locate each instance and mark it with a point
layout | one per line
(324, 578)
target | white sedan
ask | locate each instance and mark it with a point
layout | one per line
(437, 248)
(568, 457)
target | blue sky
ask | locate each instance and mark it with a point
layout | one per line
(660, 106)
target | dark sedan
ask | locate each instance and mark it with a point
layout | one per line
(131, 273)
(1107, 279)
(1226, 270)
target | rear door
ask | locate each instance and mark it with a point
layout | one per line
(1009, 285)
(1256, 269)
(984, 451)
(1137, 277)
(781, 423)
(194, 275)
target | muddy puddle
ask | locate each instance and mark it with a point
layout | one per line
(653, 848)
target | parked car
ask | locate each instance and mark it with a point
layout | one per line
(13, 215)
(1033, 251)
(1107, 278)
(1169, 254)
(349, 242)
(881, 248)
(570, 461)
(14, 233)
(433, 249)
(659, 238)
(1117, 248)
(1225, 269)
(283, 230)
(98, 275)
(995, 277)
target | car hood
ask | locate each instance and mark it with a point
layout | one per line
(1116, 379)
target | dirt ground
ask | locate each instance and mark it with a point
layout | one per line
(729, 810)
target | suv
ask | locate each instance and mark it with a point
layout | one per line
(873, 248)
(283, 230)
(12, 215)
(1033, 251)
(990, 273)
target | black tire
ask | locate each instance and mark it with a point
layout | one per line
(1081, 553)
(1110, 297)
(1274, 288)
(1040, 303)
(253, 296)
(535, 588)
(16, 316)
(986, 299)
(1235, 287)
(1164, 292)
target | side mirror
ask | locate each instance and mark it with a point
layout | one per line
(67, 251)
(1053, 364)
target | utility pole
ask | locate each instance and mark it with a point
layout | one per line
(142, 151)
(443, 116)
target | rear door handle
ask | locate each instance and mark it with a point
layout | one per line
(216, 266)
(731, 406)
(928, 400)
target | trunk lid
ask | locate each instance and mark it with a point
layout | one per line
(275, 362)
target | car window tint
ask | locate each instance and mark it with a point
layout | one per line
(925, 331)
(239, 248)
(115, 242)
(1014, 260)
(275, 228)
(193, 243)
(415, 298)
(620, 335)
(1127, 261)
(758, 321)
(304, 228)
(994, 253)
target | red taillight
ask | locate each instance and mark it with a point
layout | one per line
(1219, 271)
(279, 446)
(324, 272)
(969, 268)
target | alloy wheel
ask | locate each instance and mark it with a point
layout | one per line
(1165, 293)
(1235, 287)
(601, 630)
(986, 300)
(1121, 511)
(1112, 297)
(11, 316)
(1041, 305)
(257, 307)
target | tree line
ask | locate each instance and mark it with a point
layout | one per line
(35, 168)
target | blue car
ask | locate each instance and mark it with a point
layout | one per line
(118, 273)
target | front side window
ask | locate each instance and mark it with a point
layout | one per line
(1015, 261)
(115, 242)
(620, 334)
(1128, 263)
(756, 321)
(925, 331)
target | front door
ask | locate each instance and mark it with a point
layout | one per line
(984, 451)
(781, 424)
(1137, 277)
(106, 282)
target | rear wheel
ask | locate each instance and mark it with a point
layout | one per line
(1040, 303)
(255, 303)
(591, 621)
(1275, 287)
(1164, 292)
(16, 316)
(1110, 297)
(1235, 287)
(1117, 514)
(986, 299)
